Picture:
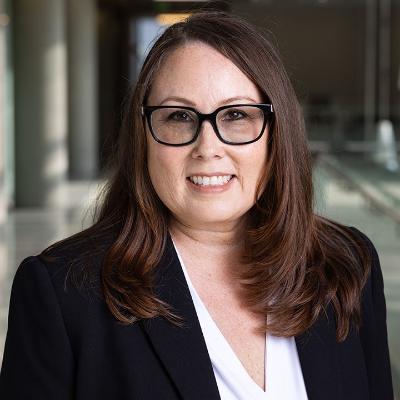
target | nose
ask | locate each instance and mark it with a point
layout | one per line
(208, 145)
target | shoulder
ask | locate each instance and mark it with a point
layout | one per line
(362, 237)
(72, 266)
(373, 330)
(60, 289)
(374, 282)
(372, 295)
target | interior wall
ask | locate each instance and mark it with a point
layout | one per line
(322, 48)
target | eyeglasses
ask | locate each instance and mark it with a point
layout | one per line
(233, 124)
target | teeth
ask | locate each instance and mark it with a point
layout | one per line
(213, 180)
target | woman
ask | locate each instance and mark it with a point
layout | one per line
(206, 274)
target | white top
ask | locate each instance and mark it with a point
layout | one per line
(283, 376)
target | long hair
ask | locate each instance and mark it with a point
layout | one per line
(295, 262)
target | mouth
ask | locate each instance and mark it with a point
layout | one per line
(215, 180)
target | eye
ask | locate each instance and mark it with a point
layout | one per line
(180, 116)
(235, 115)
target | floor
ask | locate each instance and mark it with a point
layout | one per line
(28, 231)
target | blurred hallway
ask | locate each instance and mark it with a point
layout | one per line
(67, 66)
(339, 197)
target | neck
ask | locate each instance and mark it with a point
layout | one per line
(220, 238)
(212, 251)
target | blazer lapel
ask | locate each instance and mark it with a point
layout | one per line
(183, 351)
(318, 359)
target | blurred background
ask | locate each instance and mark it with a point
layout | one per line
(66, 66)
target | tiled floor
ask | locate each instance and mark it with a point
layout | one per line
(27, 232)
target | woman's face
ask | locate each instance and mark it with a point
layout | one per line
(204, 79)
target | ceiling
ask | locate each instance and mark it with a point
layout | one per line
(138, 7)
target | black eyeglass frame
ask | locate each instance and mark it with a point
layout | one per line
(267, 109)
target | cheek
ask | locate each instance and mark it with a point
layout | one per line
(254, 163)
(260, 180)
(165, 168)
(160, 168)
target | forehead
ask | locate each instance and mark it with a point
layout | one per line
(201, 74)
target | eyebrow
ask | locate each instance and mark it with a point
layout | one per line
(189, 102)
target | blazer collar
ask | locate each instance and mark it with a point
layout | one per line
(183, 351)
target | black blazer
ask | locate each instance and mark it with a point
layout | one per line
(64, 344)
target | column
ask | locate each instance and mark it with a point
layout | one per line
(370, 70)
(40, 103)
(4, 20)
(82, 84)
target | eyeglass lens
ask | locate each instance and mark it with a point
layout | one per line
(235, 124)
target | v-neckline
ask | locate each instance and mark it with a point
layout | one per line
(221, 338)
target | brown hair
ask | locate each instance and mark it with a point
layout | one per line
(298, 262)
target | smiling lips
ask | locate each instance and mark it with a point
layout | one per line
(215, 180)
